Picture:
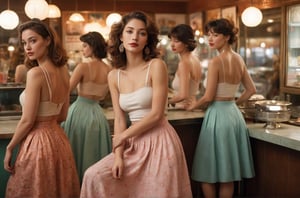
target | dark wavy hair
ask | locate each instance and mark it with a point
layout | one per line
(185, 34)
(118, 59)
(97, 43)
(223, 26)
(56, 52)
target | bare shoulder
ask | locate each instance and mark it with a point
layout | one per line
(215, 60)
(157, 64)
(81, 66)
(112, 75)
(35, 75)
(35, 72)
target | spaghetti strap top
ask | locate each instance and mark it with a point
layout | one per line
(46, 74)
(139, 102)
(49, 108)
(146, 79)
(225, 89)
(92, 88)
(193, 85)
(46, 108)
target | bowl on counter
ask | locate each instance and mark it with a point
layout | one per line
(273, 112)
(248, 108)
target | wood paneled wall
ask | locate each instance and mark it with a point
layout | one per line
(196, 6)
(149, 6)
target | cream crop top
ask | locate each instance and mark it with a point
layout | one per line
(46, 108)
(224, 89)
(137, 103)
(94, 89)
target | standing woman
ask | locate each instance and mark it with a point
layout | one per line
(45, 166)
(86, 125)
(223, 154)
(148, 158)
(188, 75)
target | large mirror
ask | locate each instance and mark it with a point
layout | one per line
(11, 54)
(260, 48)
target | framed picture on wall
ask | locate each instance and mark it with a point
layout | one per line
(230, 14)
(166, 22)
(212, 14)
(196, 21)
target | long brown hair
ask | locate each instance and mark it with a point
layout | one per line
(118, 59)
(56, 52)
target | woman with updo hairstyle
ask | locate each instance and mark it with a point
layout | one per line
(223, 153)
(187, 79)
(96, 41)
(86, 125)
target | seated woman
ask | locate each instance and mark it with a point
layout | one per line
(86, 125)
(188, 74)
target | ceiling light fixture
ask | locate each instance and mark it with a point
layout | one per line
(76, 16)
(54, 11)
(9, 20)
(252, 16)
(36, 9)
(113, 17)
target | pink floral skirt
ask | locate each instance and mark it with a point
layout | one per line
(45, 165)
(154, 167)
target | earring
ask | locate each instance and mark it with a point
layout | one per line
(147, 50)
(121, 48)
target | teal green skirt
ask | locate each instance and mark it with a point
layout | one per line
(88, 131)
(223, 152)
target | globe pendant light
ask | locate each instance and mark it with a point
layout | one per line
(76, 16)
(9, 20)
(252, 16)
(113, 17)
(36, 9)
(54, 11)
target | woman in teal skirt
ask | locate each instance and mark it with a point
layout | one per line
(86, 125)
(223, 154)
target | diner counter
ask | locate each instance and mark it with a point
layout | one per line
(282, 143)
(9, 123)
(287, 136)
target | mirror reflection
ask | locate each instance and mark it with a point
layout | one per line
(260, 47)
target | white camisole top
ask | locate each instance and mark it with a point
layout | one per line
(224, 89)
(137, 103)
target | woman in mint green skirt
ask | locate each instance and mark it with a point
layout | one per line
(223, 154)
(86, 125)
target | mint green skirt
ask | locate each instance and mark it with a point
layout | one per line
(88, 131)
(223, 152)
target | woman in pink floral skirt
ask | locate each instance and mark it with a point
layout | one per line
(148, 158)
